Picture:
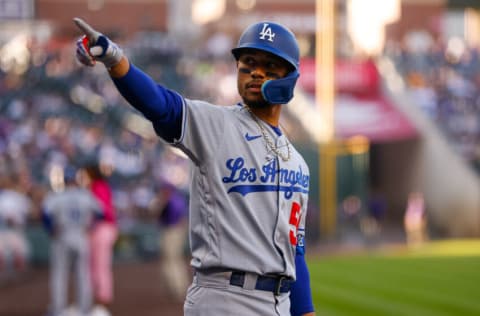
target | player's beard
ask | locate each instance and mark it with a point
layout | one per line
(256, 104)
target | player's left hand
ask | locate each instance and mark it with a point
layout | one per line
(94, 46)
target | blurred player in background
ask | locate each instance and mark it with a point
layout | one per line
(15, 207)
(415, 220)
(102, 241)
(249, 188)
(171, 208)
(68, 215)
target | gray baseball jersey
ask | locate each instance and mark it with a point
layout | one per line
(72, 212)
(247, 205)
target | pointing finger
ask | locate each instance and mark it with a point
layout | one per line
(86, 29)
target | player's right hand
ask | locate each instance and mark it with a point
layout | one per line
(94, 46)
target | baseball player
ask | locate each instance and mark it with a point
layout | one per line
(68, 216)
(15, 207)
(249, 188)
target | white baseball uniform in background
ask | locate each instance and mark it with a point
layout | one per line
(15, 208)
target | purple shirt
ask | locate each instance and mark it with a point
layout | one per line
(174, 210)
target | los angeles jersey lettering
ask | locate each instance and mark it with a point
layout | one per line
(271, 178)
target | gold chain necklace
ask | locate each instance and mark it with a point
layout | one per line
(268, 141)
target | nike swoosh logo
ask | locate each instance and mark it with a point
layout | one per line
(249, 138)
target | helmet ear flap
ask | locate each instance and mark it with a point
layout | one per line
(280, 91)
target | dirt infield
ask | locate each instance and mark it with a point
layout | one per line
(139, 290)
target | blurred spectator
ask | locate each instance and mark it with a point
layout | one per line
(102, 240)
(171, 208)
(415, 220)
(443, 80)
(350, 219)
(372, 223)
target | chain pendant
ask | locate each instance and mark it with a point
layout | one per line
(268, 141)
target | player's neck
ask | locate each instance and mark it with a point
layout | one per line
(270, 114)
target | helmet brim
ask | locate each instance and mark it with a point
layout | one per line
(238, 51)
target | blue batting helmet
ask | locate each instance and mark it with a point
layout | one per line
(279, 41)
(271, 37)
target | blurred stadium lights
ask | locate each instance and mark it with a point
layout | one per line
(367, 20)
(206, 11)
(246, 5)
(357, 145)
(472, 27)
(14, 55)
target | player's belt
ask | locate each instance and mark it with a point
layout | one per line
(271, 283)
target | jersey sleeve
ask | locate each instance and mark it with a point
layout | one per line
(163, 107)
(203, 131)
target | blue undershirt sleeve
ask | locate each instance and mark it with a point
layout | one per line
(163, 107)
(47, 222)
(300, 293)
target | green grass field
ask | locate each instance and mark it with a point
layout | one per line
(441, 278)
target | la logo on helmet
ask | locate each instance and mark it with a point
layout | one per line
(267, 31)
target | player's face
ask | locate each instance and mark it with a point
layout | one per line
(254, 68)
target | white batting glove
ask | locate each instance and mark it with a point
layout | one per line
(94, 46)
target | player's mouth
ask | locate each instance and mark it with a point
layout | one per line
(254, 87)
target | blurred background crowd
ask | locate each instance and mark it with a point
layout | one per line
(444, 79)
(54, 113)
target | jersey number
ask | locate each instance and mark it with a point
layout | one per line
(74, 215)
(294, 222)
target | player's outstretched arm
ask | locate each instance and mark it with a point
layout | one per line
(93, 46)
(163, 107)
